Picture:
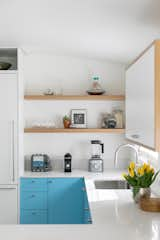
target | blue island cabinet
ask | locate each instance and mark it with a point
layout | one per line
(54, 201)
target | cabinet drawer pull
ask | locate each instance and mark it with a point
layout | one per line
(33, 181)
(86, 209)
(136, 136)
(89, 220)
(50, 181)
(33, 196)
(33, 213)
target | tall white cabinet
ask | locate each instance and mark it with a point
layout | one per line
(8, 127)
(9, 139)
(143, 98)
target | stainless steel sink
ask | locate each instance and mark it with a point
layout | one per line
(111, 184)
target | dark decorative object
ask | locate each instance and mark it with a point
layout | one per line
(95, 92)
(5, 65)
(109, 121)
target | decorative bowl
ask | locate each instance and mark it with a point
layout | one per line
(96, 92)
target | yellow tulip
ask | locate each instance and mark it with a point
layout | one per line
(131, 173)
(148, 169)
(141, 171)
(145, 166)
(152, 170)
(132, 165)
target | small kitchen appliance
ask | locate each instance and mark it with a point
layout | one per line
(96, 160)
(40, 163)
(67, 162)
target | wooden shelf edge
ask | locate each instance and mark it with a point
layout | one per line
(73, 130)
(75, 97)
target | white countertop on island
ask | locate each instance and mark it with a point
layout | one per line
(115, 216)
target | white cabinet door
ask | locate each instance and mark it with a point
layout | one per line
(8, 205)
(140, 100)
(8, 128)
(8, 96)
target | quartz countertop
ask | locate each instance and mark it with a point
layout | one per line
(107, 174)
(115, 216)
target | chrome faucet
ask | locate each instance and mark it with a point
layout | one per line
(123, 146)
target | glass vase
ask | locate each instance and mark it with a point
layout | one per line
(139, 193)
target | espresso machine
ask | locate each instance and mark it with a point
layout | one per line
(96, 160)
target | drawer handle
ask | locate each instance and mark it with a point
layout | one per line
(86, 209)
(33, 196)
(33, 181)
(33, 213)
(50, 181)
(89, 220)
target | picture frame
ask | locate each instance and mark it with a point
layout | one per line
(79, 118)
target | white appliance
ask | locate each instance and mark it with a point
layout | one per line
(8, 147)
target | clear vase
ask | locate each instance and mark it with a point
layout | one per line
(139, 193)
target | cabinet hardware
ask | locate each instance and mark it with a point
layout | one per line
(12, 149)
(50, 181)
(33, 213)
(86, 209)
(89, 220)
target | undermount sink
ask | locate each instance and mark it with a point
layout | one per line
(111, 184)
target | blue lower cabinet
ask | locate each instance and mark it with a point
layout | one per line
(65, 201)
(33, 184)
(54, 201)
(34, 200)
(33, 217)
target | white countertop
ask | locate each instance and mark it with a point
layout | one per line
(107, 174)
(114, 215)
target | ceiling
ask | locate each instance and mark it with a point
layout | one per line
(105, 29)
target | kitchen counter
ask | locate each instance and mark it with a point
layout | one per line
(114, 215)
(107, 174)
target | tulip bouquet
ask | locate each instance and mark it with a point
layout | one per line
(140, 177)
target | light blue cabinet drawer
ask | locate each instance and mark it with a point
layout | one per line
(33, 217)
(33, 200)
(33, 184)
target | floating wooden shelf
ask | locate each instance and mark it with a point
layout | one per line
(75, 97)
(73, 130)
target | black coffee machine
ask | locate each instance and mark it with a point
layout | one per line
(67, 162)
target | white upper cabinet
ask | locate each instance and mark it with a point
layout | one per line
(143, 98)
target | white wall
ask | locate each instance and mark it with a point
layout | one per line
(70, 76)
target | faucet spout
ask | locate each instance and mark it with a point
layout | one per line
(124, 146)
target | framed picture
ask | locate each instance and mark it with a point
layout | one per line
(78, 118)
